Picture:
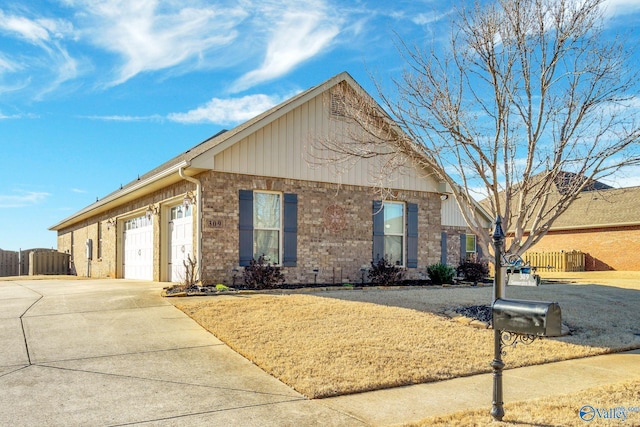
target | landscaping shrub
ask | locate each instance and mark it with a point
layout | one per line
(262, 275)
(473, 271)
(441, 273)
(384, 273)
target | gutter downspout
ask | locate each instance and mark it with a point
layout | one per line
(200, 216)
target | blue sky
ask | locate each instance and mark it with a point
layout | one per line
(94, 93)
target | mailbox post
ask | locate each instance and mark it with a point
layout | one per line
(515, 321)
(497, 409)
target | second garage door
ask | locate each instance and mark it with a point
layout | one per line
(138, 248)
(180, 242)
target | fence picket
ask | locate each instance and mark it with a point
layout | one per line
(556, 261)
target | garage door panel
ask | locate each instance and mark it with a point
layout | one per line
(180, 242)
(138, 248)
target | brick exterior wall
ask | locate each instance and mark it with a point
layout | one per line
(337, 254)
(453, 244)
(615, 248)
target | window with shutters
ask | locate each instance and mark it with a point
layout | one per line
(267, 225)
(394, 232)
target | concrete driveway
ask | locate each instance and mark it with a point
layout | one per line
(113, 352)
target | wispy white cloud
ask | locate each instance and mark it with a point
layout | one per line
(35, 31)
(120, 118)
(22, 199)
(79, 191)
(151, 35)
(297, 32)
(267, 37)
(426, 18)
(222, 111)
(45, 35)
(16, 116)
(621, 7)
(228, 111)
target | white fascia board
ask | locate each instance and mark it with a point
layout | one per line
(109, 200)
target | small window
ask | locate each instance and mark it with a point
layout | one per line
(470, 246)
(140, 222)
(267, 226)
(180, 211)
(394, 232)
(99, 249)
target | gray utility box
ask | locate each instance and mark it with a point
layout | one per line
(540, 318)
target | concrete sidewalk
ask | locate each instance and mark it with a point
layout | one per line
(113, 352)
(408, 404)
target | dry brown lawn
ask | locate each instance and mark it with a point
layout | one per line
(338, 342)
(558, 411)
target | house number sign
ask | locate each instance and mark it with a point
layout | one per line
(334, 218)
(216, 223)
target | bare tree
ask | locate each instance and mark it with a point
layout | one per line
(526, 106)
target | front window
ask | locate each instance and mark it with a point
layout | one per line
(267, 226)
(394, 232)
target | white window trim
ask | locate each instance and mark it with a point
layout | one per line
(279, 229)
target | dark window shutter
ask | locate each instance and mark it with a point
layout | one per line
(443, 248)
(412, 235)
(245, 227)
(378, 230)
(290, 231)
(463, 248)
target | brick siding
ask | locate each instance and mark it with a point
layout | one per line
(337, 254)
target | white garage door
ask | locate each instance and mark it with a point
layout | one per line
(180, 242)
(138, 248)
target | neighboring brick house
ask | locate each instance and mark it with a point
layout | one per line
(250, 191)
(604, 223)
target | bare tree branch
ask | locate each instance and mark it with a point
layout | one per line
(528, 102)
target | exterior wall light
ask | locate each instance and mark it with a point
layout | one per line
(151, 211)
(111, 223)
(189, 199)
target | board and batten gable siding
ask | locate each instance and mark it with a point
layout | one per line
(283, 148)
(450, 214)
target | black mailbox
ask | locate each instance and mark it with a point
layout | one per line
(538, 318)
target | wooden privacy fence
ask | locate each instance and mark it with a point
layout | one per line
(33, 262)
(555, 261)
(8, 263)
(48, 262)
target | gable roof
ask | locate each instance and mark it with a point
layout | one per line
(191, 162)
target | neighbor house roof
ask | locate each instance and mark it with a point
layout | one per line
(611, 207)
(597, 206)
